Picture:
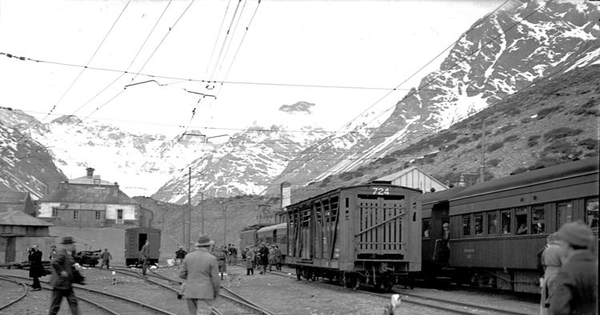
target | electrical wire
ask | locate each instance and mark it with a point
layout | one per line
(89, 61)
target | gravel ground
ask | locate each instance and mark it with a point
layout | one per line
(280, 295)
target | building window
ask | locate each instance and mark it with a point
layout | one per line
(591, 212)
(479, 224)
(521, 215)
(492, 220)
(538, 221)
(55, 212)
(466, 224)
(98, 215)
(506, 218)
(565, 213)
(75, 214)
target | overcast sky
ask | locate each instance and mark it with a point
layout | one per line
(343, 56)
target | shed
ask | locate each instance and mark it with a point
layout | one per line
(412, 177)
(18, 232)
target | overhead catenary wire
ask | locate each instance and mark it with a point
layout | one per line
(324, 141)
(89, 61)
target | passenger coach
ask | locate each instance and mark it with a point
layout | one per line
(361, 234)
(498, 227)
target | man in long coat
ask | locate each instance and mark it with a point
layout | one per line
(200, 270)
(62, 277)
(36, 269)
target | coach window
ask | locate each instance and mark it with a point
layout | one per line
(591, 211)
(426, 228)
(521, 216)
(466, 224)
(506, 221)
(492, 221)
(564, 213)
(479, 224)
(538, 221)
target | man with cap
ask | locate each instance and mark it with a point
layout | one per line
(62, 277)
(200, 270)
(576, 290)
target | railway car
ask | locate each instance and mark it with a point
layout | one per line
(274, 234)
(135, 238)
(368, 234)
(249, 237)
(498, 227)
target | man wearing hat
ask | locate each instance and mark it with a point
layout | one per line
(200, 270)
(577, 281)
(62, 277)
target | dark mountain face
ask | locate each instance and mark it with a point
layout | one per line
(25, 165)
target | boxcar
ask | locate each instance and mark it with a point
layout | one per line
(135, 238)
(369, 233)
(274, 234)
(499, 226)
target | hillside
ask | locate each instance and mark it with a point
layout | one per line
(553, 121)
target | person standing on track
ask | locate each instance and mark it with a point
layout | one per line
(145, 256)
(577, 281)
(36, 269)
(62, 277)
(179, 256)
(106, 257)
(200, 270)
(551, 262)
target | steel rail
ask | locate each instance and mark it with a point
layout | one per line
(18, 298)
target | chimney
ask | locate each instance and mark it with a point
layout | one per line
(286, 194)
(90, 172)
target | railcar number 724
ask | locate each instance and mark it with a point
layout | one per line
(380, 191)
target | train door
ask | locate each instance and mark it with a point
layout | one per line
(379, 224)
(440, 232)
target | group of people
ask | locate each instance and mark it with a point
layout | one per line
(569, 284)
(262, 257)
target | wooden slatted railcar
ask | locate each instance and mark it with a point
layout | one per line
(499, 226)
(361, 234)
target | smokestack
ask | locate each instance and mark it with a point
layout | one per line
(90, 172)
(286, 194)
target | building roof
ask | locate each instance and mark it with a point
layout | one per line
(85, 193)
(89, 180)
(21, 218)
(402, 173)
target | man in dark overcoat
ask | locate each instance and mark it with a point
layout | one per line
(36, 269)
(576, 285)
(62, 277)
(200, 270)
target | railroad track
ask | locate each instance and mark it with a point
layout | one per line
(18, 295)
(229, 302)
(107, 302)
(426, 301)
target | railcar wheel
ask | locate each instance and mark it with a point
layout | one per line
(298, 273)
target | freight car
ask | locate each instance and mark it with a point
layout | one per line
(274, 234)
(135, 238)
(353, 235)
(498, 227)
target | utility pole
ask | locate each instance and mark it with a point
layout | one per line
(225, 227)
(202, 212)
(482, 169)
(189, 212)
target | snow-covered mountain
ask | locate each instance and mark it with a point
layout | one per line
(499, 55)
(249, 161)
